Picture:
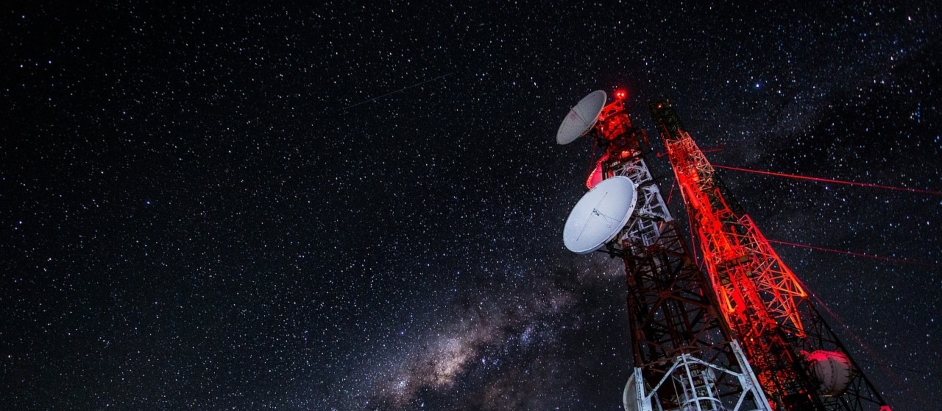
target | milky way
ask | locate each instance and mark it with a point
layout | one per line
(359, 206)
(491, 335)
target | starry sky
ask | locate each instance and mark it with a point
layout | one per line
(359, 205)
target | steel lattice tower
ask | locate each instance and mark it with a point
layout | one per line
(684, 354)
(799, 361)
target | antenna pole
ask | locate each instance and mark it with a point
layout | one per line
(684, 354)
(783, 335)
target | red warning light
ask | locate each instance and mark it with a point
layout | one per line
(620, 94)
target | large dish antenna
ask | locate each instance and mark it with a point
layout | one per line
(581, 118)
(600, 214)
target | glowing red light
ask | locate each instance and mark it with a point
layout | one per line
(620, 94)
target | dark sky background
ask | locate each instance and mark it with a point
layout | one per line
(347, 206)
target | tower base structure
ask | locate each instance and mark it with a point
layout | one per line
(692, 384)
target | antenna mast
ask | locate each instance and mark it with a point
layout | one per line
(800, 363)
(684, 355)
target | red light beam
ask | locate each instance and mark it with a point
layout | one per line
(877, 257)
(828, 180)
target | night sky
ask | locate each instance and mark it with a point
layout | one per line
(360, 207)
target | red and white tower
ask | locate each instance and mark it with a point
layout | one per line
(800, 363)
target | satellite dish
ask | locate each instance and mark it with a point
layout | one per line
(581, 118)
(600, 214)
(629, 397)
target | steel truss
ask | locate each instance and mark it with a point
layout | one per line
(761, 299)
(683, 350)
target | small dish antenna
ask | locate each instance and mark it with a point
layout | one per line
(600, 215)
(629, 397)
(581, 118)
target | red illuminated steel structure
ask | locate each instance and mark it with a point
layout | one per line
(684, 355)
(799, 361)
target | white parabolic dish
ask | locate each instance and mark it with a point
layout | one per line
(599, 215)
(582, 117)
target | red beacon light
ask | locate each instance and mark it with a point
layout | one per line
(620, 94)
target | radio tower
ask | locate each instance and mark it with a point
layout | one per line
(684, 356)
(799, 361)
